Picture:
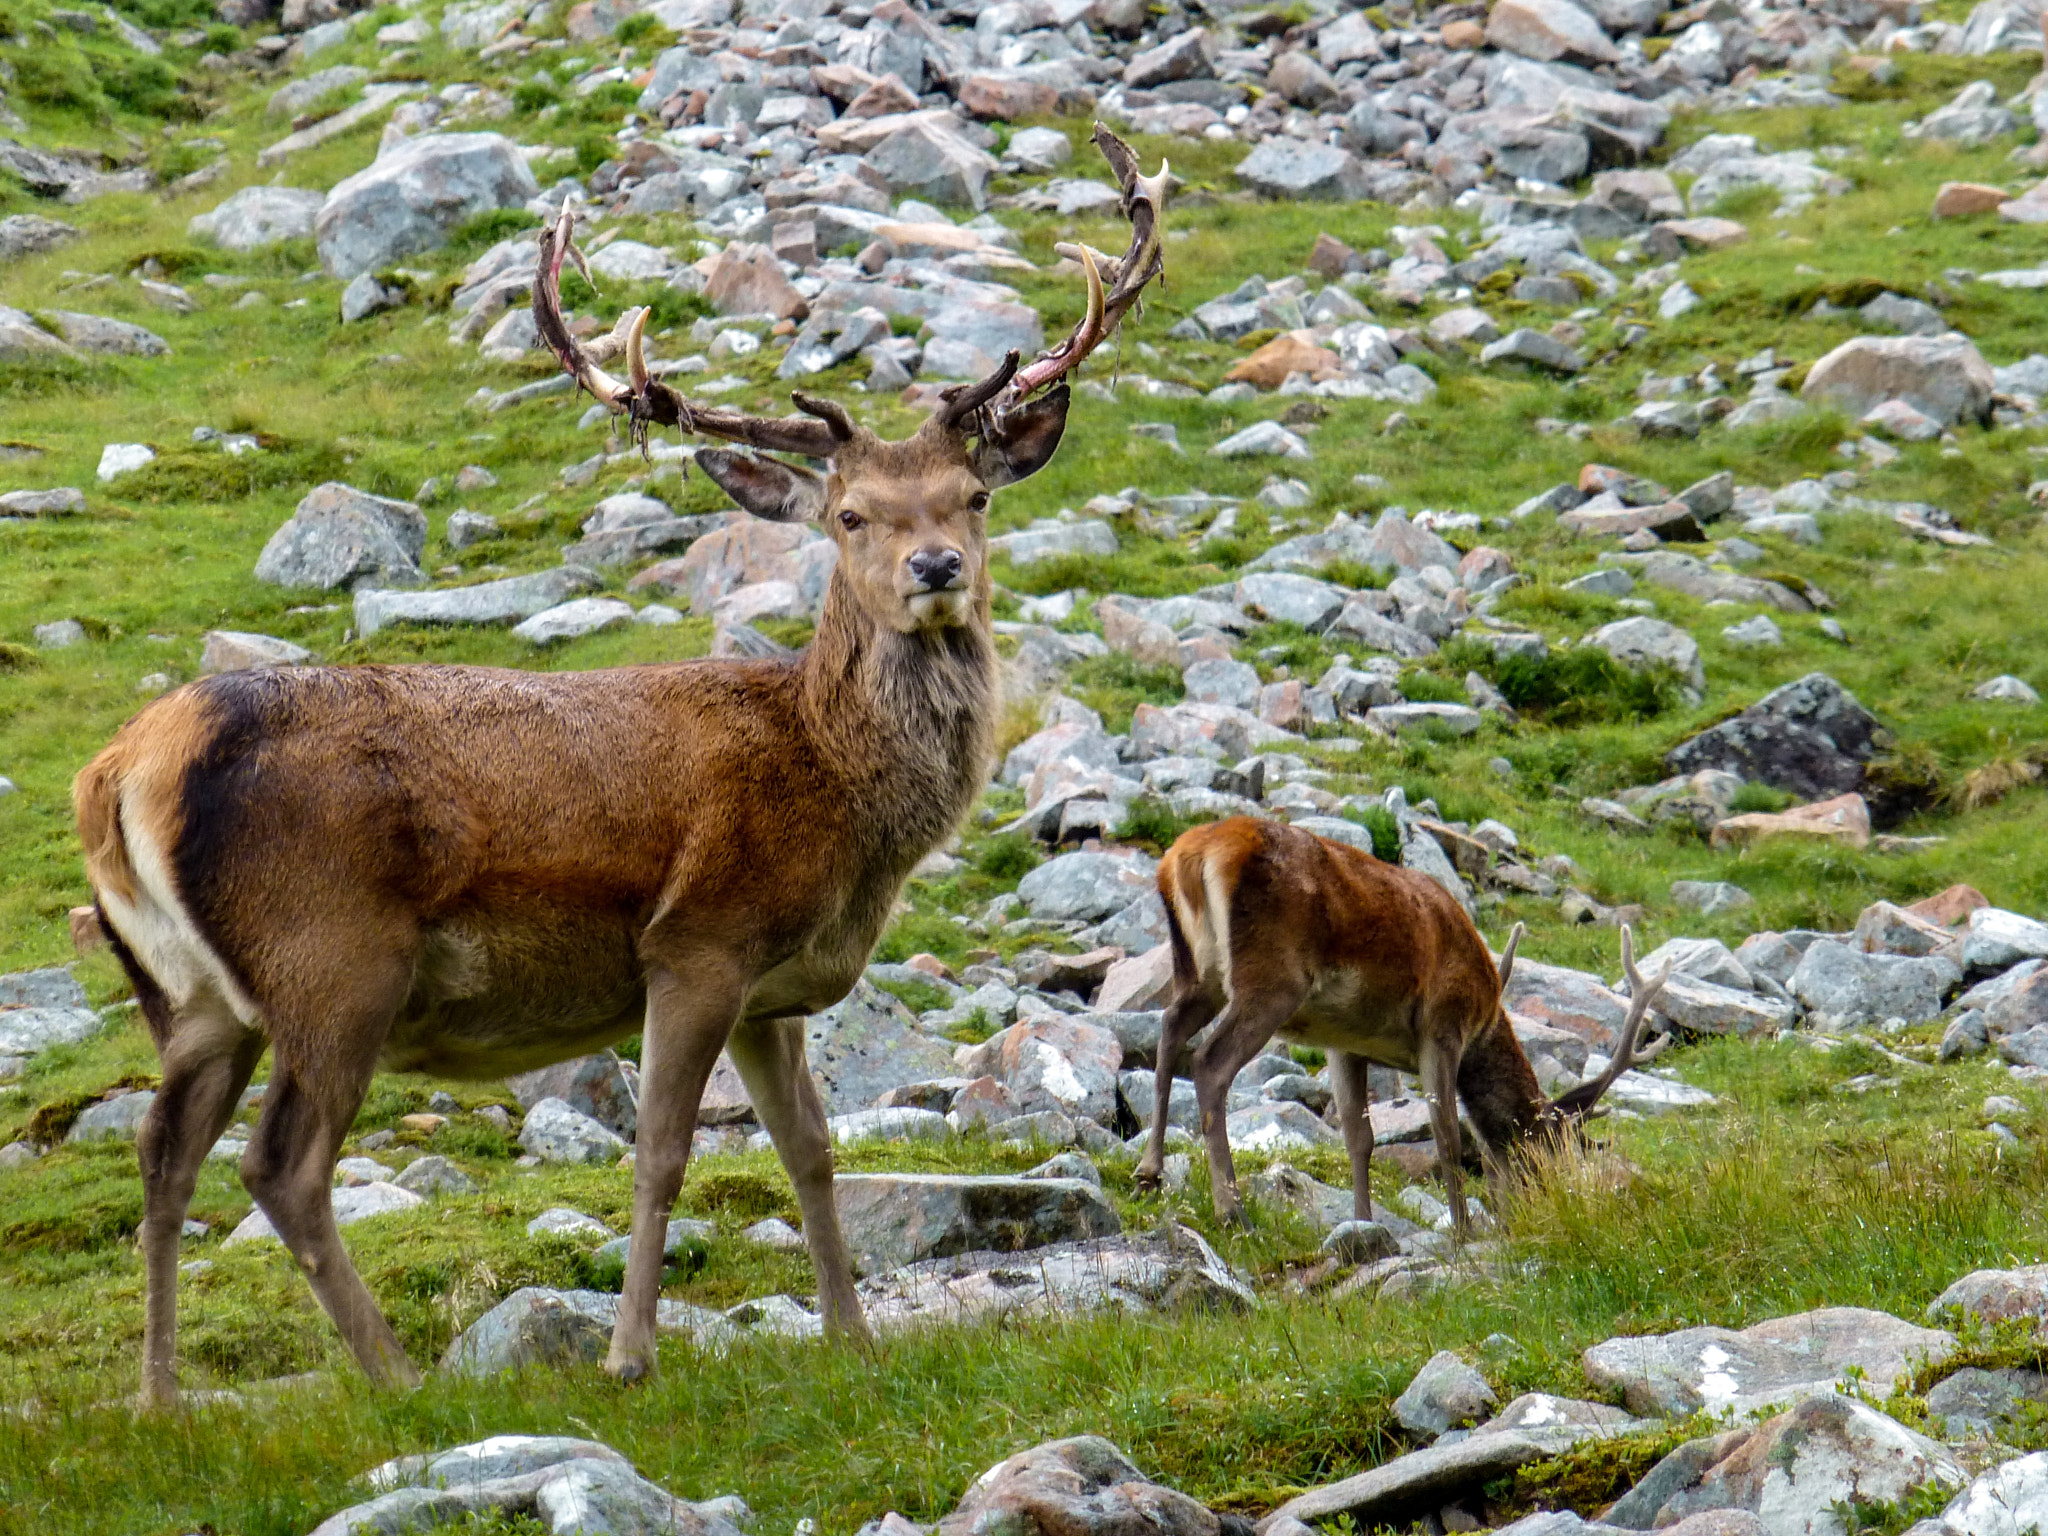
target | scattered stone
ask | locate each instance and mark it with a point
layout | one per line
(891, 1220)
(1445, 1394)
(556, 1133)
(340, 537)
(359, 1203)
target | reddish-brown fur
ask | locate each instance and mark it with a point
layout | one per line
(1277, 931)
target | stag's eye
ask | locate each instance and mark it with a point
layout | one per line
(978, 502)
(851, 521)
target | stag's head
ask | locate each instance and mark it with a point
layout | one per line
(1561, 1122)
(909, 515)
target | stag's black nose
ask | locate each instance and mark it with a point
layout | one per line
(936, 569)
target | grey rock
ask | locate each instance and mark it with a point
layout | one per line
(1530, 346)
(1445, 1394)
(1183, 57)
(1642, 642)
(1419, 1478)
(1085, 887)
(600, 1086)
(256, 217)
(866, 1044)
(535, 1326)
(29, 234)
(111, 1119)
(361, 1202)
(926, 160)
(1966, 1035)
(1771, 1364)
(96, 333)
(572, 620)
(365, 296)
(891, 1220)
(1974, 1403)
(1810, 737)
(2008, 1499)
(409, 200)
(1360, 1242)
(1841, 987)
(566, 1221)
(434, 1175)
(1708, 897)
(1943, 377)
(340, 537)
(52, 987)
(1999, 940)
(487, 602)
(1281, 167)
(50, 503)
(556, 1133)
(29, 1030)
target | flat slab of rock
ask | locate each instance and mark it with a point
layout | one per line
(1771, 1364)
(1125, 1273)
(487, 602)
(25, 1031)
(894, 1219)
(1409, 1483)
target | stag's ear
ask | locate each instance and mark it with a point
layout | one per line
(1025, 442)
(769, 488)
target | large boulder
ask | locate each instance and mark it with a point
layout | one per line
(1994, 1295)
(1772, 1364)
(1641, 642)
(1086, 887)
(866, 1044)
(1796, 1471)
(340, 537)
(2009, 1500)
(412, 198)
(1942, 377)
(30, 234)
(1810, 738)
(258, 216)
(556, 1132)
(1843, 987)
(1052, 1061)
(1295, 168)
(504, 601)
(600, 1086)
(1079, 1487)
(893, 1219)
(925, 159)
(1547, 30)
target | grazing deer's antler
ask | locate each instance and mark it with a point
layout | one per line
(1507, 956)
(1115, 285)
(1582, 1099)
(646, 401)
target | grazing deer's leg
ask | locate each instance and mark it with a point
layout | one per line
(1348, 1083)
(207, 1061)
(1190, 1010)
(1240, 1034)
(687, 1025)
(770, 1056)
(1439, 1073)
(289, 1168)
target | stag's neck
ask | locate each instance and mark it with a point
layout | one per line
(1499, 1088)
(907, 719)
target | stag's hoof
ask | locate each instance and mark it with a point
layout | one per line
(1232, 1216)
(630, 1368)
(1146, 1181)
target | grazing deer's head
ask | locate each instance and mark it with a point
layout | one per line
(1564, 1118)
(908, 515)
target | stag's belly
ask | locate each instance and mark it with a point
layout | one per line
(1337, 1016)
(509, 992)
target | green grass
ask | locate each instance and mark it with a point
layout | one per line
(1789, 1194)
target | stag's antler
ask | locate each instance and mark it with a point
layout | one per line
(1580, 1100)
(645, 400)
(1507, 956)
(1115, 284)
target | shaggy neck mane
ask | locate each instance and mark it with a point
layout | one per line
(908, 719)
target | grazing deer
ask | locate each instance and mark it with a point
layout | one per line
(473, 872)
(1278, 932)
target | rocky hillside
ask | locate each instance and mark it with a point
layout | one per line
(1585, 452)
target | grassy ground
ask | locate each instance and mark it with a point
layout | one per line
(1792, 1193)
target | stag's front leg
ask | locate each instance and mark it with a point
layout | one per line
(1185, 1016)
(1439, 1073)
(687, 1025)
(769, 1054)
(1350, 1084)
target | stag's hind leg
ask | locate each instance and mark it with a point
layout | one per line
(207, 1056)
(1190, 1010)
(1254, 1015)
(1348, 1082)
(318, 1078)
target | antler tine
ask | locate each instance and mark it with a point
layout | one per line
(1581, 1099)
(1507, 956)
(961, 402)
(831, 412)
(648, 401)
(1114, 287)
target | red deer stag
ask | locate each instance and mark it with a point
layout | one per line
(474, 872)
(1279, 932)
